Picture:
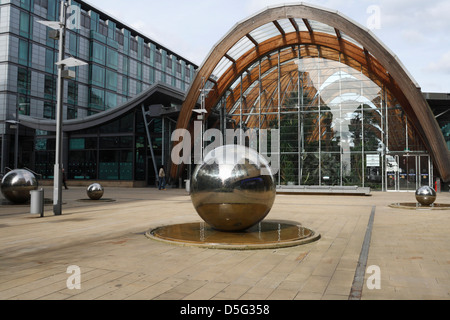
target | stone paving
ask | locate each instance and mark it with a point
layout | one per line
(107, 241)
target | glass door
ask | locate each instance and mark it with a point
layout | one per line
(392, 172)
(407, 172)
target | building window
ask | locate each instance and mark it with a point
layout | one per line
(119, 37)
(85, 21)
(147, 51)
(42, 3)
(125, 65)
(188, 72)
(103, 28)
(49, 110)
(72, 113)
(112, 58)
(49, 61)
(49, 87)
(72, 93)
(125, 86)
(158, 57)
(23, 52)
(133, 44)
(111, 80)
(73, 44)
(52, 7)
(139, 71)
(25, 4)
(23, 81)
(96, 99)
(110, 100)
(97, 75)
(138, 87)
(98, 52)
(83, 163)
(23, 103)
(24, 25)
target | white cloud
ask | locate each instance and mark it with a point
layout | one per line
(442, 65)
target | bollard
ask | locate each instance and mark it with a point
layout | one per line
(37, 202)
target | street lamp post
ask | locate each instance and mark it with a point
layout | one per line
(70, 62)
(57, 182)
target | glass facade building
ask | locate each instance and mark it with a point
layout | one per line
(346, 111)
(122, 64)
(338, 125)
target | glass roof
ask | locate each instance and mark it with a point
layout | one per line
(268, 31)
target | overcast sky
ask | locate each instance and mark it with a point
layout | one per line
(417, 31)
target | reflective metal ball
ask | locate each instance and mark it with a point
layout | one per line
(233, 189)
(95, 191)
(17, 184)
(426, 196)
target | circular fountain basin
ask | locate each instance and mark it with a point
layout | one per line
(265, 235)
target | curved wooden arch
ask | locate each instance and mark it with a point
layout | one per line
(374, 56)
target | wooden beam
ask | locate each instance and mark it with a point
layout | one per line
(294, 24)
(277, 25)
(308, 26)
(338, 33)
(252, 40)
(229, 58)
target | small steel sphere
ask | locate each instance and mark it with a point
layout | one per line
(17, 184)
(426, 196)
(95, 191)
(233, 189)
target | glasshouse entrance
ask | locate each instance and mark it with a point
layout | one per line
(407, 172)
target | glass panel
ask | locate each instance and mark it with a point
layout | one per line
(111, 80)
(82, 165)
(98, 52)
(321, 27)
(23, 81)
(96, 98)
(110, 100)
(241, 47)
(23, 52)
(72, 93)
(310, 169)
(97, 75)
(24, 27)
(265, 32)
(289, 169)
(330, 164)
(109, 165)
(49, 61)
(286, 25)
(126, 165)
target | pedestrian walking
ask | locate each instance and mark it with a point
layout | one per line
(64, 179)
(162, 179)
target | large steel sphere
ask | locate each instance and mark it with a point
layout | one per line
(17, 184)
(95, 191)
(233, 189)
(426, 196)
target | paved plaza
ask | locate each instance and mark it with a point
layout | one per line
(406, 251)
